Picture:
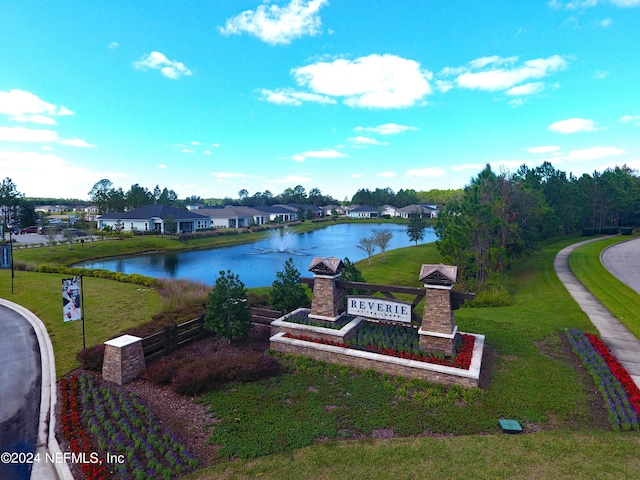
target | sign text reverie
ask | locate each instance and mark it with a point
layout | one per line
(379, 308)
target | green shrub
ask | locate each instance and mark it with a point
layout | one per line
(91, 357)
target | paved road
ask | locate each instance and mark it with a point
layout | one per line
(622, 260)
(20, 391)
(622, 343)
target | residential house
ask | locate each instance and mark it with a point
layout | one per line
(425, 211)
(389, 210)
(363, 211)
(232, 216)
(278, 213)
(329, 209)
(154, 218)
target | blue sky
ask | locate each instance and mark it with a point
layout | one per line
(211, 97)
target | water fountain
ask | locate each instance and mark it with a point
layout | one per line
(281, 240)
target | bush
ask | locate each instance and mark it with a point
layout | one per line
(228, 313)
(626, 230)
(91, 358)
(160, 372)
(202, 375)
(287, 293)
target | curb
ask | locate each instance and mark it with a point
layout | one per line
(46, 442)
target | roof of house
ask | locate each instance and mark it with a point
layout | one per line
(326, 265)
(230, 211)
(276, 209)
(413, 208)
(364, 208)
(153, 211)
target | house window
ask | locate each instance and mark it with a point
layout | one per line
(146, 226)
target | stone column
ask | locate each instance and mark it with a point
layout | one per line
(328, 300)
(438, 329)
(123, 359)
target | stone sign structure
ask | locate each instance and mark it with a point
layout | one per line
(123, 359)
(438, 329)
(328, 300)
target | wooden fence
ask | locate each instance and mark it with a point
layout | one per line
(176, 336)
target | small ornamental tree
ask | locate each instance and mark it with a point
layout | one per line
(368, 246)
(228, 313)
(381, 239)
(287, 293)
(415, 229)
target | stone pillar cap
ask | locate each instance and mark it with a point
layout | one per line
(326, 265)
(122, 341)
(439, 274)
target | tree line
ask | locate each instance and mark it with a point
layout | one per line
(500, 216)
(109, 199)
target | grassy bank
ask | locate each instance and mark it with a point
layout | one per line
(620, 300)
(110, 307)
(531, 377)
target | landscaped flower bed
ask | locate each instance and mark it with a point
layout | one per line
(392, 340)
(102, 420)
(301, 316)
(622, 400)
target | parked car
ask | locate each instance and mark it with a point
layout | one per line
(73, 232)
(32, 229)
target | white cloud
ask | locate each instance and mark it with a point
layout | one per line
(600, 74)
(594, 153)
(430, 172)
(326, 153)
(289, 96)
(113, 45)
(503, 74)
(221, 176)
(26, 107)
(526, 89)
(278, 25)
(76, 142)
(375, 81)
(356, 175)
(635, 119)
(387, 174)
(168, 68)
(362, 140)
(161, 166)
(578, 4)
(387, 129)
(22, 134)
(606, 22)
(543, 149)
(573, 125)
(38, 174)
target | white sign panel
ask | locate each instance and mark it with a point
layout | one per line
(71, 309)
(392, 311)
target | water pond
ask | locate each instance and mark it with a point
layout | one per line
(257, 263)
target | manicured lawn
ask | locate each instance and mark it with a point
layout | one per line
(544, 455)
(110, 308)
(531, 378)
(619, 299)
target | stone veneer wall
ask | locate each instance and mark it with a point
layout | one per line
(328, 299)
(389, 365)
(438, 318)
(123, 359)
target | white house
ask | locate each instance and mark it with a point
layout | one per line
(234, 216)
(154, 218)
(363, 211)
(425, 211)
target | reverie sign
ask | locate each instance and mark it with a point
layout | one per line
(393, 311)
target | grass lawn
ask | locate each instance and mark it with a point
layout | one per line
(619, 299)
(531, 378)
(110, 307)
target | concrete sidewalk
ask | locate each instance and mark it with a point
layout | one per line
(621, 342)
(46, 439)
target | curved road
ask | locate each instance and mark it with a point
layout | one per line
(20, 391)
(622, 260)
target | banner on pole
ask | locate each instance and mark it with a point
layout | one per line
(71, 309)
(5, 255)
